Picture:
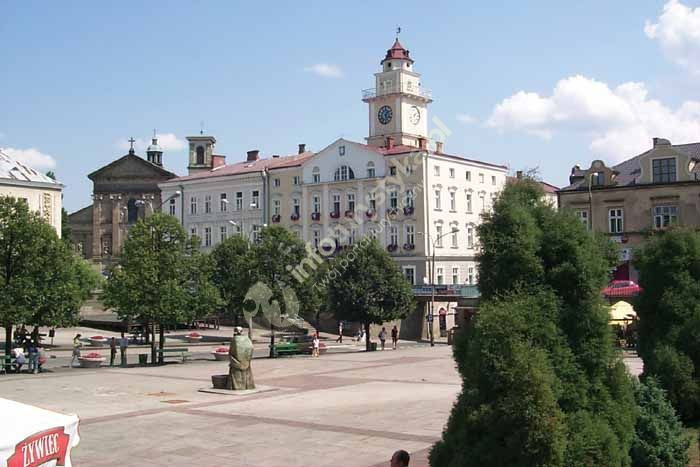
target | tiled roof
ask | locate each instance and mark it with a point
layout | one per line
(547, 187)
(245, 167)
(397, 52)
(15, 170)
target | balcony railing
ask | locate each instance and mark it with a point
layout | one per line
(455, 290)
(405, 88)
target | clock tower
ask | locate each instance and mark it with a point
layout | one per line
(398, 105)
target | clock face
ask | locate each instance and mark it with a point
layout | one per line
(384, 115)
(414, 115)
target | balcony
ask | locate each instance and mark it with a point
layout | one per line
(371, 93)
(276, 218)
(294, 216)
(315, 216)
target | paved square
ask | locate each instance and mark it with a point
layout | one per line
(350, 409)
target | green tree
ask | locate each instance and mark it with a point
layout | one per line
(234, 273)
(65, 227)
(41, 281)
(529, 249)
(669, 315)
(366, 285)
(659, 440)
(161, 278)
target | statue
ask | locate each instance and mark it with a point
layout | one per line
(240, 353)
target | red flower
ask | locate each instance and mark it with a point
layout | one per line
(93, 355)
(222, 350)
(97, 338)
(193, 334)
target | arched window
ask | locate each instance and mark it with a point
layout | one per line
(343, 173)
(316, 175)
(200, 155)
(132, 211)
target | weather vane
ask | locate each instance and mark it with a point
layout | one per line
(398, 31)
(201, 127)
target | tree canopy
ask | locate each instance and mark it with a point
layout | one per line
(234, 273)
(366, 285)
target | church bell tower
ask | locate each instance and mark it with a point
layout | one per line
(201, 153)
(398, 104)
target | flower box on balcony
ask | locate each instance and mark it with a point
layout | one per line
(294, 217)
(392, 248)
(349, 213)
(408, 246)
(335, 214)
(392, 211)
(408, 210)
(370, 213)
(315, 216)
(276, 218)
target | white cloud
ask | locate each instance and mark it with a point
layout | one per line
(167, 141)
(31, 157)
(678, 34)
(466, 119)
(620, 121)
(326, 70)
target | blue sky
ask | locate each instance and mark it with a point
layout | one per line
(529, 84)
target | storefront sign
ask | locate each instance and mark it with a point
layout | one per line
(41, 448)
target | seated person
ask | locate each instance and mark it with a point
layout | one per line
(20, 359)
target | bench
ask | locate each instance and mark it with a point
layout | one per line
(5, 361)
(180, 352)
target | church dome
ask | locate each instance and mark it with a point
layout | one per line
(154, 147)
(397, 52)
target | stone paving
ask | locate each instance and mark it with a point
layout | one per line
(350, 409)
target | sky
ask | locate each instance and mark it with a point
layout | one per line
(540, 84)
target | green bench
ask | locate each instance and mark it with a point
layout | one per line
(180, 352)
(5, 361)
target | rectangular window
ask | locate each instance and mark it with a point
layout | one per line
(410, 235)
(352, 236)
(370, 172)
(223, 233)
(493, 179)
(295, 180)
(409, 273)
(393, 235)
(256, 233)
(616, 220)
(409, 198)
(207, 236)
(316, 238)
(665, 216)
(392, 170)
(438, 236)
(276, 207)
(295, 206)
(481, 178)
(409, 169)
(317, 204)
(454, 237)
(470, 237)
(436, 170)
(664, 170)
(440, 276)
(193, 205)
(193, 231)
(437, 199)
(351, 201)
(256, 200)
(172, 207)
(239, 200)
(470, 277)
(316, 178)
(223, 202)
(207, 204)
(336, 204)
(372, 201)
(483, 203)
(277, 182)
(455, 275)
(469, 202)
(469, 176)
(597, 179)
(393, 199)
(452, 173)
(582, 215)
(453, 201)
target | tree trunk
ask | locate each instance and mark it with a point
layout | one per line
(161, 342)
(8, 344)
(153, 342)
(368, 342)
(235, 318)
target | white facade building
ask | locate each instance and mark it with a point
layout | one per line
(42, 193)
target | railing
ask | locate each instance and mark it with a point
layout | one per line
(405, 88)
(456, 290)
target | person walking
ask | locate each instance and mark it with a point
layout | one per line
(76, 349)
(317, 345)
(382, 337)
(112, 350)
(33, 353)
(340, 332)
(400, 459)
(394, 337)
(123, 345)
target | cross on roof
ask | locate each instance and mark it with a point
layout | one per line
(132, 141)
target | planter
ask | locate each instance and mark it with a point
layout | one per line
(90, 362)
(370, 213)
(294, 217)
(392, 248)
(392, 211)
(350, 214)
(315, 216)
(408, 246)
(276, 218)
(221, 353)
(408, 210)
(98, 340)
(193, 337)
(219, 381)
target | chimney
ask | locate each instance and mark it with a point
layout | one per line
(217, 160)
(422, 143)
(519, 174)
(302, 148)
(253, 155)
(389, 142)
(275, 156)
(661, 142)
(438, 147)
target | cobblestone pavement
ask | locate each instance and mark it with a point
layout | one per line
(350, 409)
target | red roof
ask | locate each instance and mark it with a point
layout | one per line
(244, 167)
(622, 289)
(397, 52)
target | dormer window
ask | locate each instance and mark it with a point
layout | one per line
(341, 150)
(597, 179)
(663, 170)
